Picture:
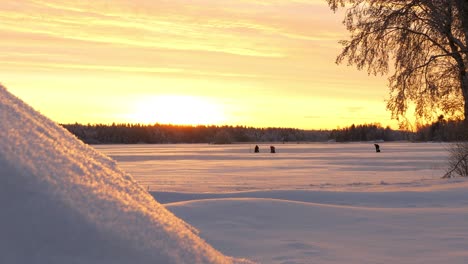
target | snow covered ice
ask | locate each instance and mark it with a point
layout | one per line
(63, 202)
(311, 203)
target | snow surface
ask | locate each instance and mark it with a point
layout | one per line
(317, 166)
(63, 202)
(312, 203)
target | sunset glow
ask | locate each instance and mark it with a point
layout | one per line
(255, 63)
(179, 110)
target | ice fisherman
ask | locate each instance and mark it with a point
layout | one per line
(257, 149)
(377, 147)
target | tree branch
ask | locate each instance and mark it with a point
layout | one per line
(448, 174)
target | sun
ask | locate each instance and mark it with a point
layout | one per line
(177, 110)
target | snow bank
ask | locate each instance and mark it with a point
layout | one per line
(284, 231)
(63, 202)
(453, 198)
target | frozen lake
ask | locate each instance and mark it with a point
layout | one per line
(311, 203)
(324, 166)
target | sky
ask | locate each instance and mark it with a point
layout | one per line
(256, 63)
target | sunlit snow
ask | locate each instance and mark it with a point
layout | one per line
(330, 166)
(311, 203)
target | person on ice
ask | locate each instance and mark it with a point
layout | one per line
(377, 147)
(257, 149)
(272, 149)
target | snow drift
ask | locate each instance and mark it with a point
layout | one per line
(63, 202)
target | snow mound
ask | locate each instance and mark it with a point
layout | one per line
(63, 202)
(284, 231)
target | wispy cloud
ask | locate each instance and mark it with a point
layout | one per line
(355, 109)
(313, 117)
(215, 26)
(258, 33)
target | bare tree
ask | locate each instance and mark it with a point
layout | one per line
(427, 43)
(458, 160)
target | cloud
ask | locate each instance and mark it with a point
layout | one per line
(313, 117)
(355, 109)
(241, 28)
(244, 39)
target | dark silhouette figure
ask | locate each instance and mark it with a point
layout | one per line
(272, 149)
(377, 147)
(257, 149)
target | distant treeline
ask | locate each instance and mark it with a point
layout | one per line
(441, 130)
(160, 134)
(368, 132)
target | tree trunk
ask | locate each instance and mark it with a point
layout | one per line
(464, 87)
(462, 6)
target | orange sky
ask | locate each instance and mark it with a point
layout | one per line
(238, 62)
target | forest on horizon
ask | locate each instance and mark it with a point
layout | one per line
(441, 130)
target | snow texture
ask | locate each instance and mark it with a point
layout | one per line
(317, 166)
(312, 203)
(280, 231)
(63, 202)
